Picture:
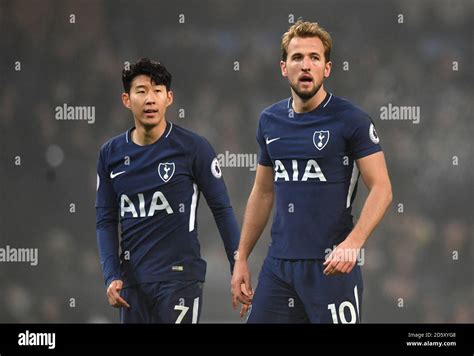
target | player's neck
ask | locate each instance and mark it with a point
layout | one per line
(301, 106)
(143, 136)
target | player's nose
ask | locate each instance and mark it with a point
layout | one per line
(306, 63)
(150, 98)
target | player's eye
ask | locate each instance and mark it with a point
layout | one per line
(140, 92)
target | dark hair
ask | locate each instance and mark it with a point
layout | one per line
(155, 70)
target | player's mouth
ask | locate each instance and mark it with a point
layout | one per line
(150, 113)
(306, 79)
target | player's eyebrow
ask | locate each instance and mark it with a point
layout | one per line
(301, 54)
(143, 86)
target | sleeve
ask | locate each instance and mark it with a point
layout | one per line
(107, 223)
(363, 139)
(263, 156)
(208, 176)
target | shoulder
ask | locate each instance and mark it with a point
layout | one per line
(275, 110)
(114, 143)
(189, 140)
(351, 114)
(344, 106)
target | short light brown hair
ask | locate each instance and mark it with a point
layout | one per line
(306, 29)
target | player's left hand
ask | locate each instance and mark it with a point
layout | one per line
(342, 259)
(241, 285)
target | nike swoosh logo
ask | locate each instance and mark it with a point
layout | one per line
(113, 175)
(273, 139)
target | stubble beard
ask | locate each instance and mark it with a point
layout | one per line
(305, 96)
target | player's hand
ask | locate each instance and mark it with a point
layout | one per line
(241, 286)
(244, 309)
(342, 259)
(113, 294)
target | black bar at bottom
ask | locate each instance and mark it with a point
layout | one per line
(412, 338)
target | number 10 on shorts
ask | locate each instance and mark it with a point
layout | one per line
(342, 307)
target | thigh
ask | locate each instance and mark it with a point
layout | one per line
(275, 300)
(330, 299)
(177, 302)
(139, 310)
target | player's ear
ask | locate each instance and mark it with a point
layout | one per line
(284, 70)
(169, 98)
(327, 69)
(126, 100)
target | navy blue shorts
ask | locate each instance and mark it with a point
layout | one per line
(297, 291)
(172, 302)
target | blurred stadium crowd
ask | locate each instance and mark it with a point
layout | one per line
(411, 273)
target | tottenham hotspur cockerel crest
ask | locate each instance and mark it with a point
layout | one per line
(320, 139)
(166, 171)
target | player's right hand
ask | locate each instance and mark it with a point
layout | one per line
(113, 294)
(244, 309)
(241, 286)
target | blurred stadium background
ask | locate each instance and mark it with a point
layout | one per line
(410, 256)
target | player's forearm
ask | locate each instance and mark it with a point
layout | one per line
(228, 229)
(256, 217)
(375, 206)
(108, 244)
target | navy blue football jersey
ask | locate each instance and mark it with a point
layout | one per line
(315, 175)
(153, 193)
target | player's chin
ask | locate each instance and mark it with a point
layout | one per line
(150, 121)
(307, 90)
(306, 93)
